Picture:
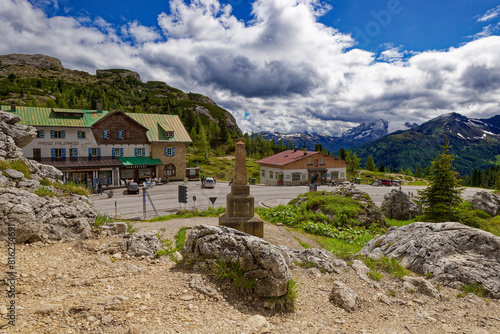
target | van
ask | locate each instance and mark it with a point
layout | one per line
(386, 182)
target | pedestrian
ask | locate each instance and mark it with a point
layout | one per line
(215, 181)
(99, 188)
(231, 182)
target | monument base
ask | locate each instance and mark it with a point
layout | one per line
(251, 225)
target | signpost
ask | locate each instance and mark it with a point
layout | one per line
(212, 199)
(194, 200)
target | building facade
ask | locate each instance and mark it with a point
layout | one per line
(111, 147)
(295, 167)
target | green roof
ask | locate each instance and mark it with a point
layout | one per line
(139, 161)
(156, 124)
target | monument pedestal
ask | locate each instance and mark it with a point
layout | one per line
(251, 225)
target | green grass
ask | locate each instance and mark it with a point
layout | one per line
(417, 183)
(18, 165)
(44, 191)
(221, 168)
(475, 288)
(71, 188)
(210, 212)
(102, 218)
(385, 264)
(231, 273)
(180, 239)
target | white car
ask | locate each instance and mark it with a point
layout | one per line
(209, 183)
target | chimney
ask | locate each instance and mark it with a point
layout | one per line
(305, 151)
(294, 149)
(12, 106)
(98, 105)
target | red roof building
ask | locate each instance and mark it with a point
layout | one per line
(295, 167)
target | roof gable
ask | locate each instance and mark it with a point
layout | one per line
(286, 157)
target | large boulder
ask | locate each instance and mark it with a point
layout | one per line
(398, 205)
(260, 259)
(486, 201)
(452, 253)
(41, 218)
(371, 214)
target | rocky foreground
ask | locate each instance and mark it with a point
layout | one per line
(75, 287)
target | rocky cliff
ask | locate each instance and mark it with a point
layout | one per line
(39, 212)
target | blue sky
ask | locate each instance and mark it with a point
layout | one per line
(283, 65)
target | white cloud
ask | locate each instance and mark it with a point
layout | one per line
(490, 14)
(284, 70)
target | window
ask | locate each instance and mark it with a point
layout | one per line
(94, 152)
(117, 152)
(139, 152)
(58, 153)
(105, 134)
(263, 173)
(322, 161)
(169, 151)
(117, 118)
(122, 134)
(73, 152)
(310, 162)
(169, 134)
(342, 174)
(315, 162)
(288, 176)
(81, 134)
(40, 134)
(57, 134)
(169, 171)
(295, 176)
(270, 174)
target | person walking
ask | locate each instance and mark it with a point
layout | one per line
(99, 188)
(231, 182)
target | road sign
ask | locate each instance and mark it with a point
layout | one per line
(194, 198)
(212, 199)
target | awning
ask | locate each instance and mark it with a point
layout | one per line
(82, 163)
(139, 161)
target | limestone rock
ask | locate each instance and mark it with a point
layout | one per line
(142, 244)
(344, 297)
(451, 252)
(398, 205)
(40, 171)
(14, 174)
(256, 324)
(262, 260)
(37, 61)
(486, 201)
(197, 284)
(39, 218)
(421, 285)
(321, 258)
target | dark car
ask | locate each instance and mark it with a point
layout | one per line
(133, 188)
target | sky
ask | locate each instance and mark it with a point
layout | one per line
(283, 65)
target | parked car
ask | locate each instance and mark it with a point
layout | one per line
(386, 182)
(396, 183)
(132, 188)
(208, 183)
(376, 183)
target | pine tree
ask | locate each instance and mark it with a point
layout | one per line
(370, 164)
(418, 172)
(342, 154)
(352, 163)
(381, 169)
(442, 195)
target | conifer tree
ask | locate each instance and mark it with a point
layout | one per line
(418, 172)
(342, 154)
(370, 164)
(381, 168)
(442, 195)
(352, 163)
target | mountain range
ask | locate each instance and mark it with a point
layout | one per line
(475, 143)
(363, 133)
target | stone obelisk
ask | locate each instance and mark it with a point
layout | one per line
(240, 213)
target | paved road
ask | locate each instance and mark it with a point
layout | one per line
(164, 197)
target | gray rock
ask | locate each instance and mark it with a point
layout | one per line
(421, 285)
(321, 258)
(344, 297)
(371, 214)
(197, 284)
(262, 260)
(486, 201)
(14, 174)
(142, 244)
(451, 252)
(398, 205)
(9, 118)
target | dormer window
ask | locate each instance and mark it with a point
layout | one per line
(169, 134)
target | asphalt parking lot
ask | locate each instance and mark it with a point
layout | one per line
(165, 197)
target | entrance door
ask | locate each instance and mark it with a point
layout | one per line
(37, 154)
(169, 171)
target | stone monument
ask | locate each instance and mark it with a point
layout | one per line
(240, 213)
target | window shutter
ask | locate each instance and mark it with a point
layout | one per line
(124, 134)
(98, 151)
(135, 151)
(121, 152)
(113, 153)
(63, 153)
(52, 152)
(75, 153)
(79, 135)
(52, 135)
(41, 133)
(63, 134)
(166, 152)
(173, 151)
(90, 152)
(104, 134)
(120, 134)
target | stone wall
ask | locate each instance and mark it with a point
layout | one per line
(178, 160)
